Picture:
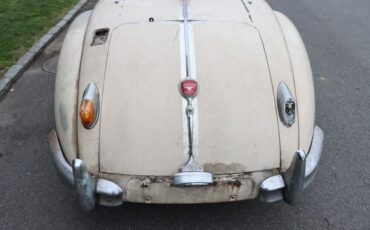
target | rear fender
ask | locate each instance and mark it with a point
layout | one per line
(303, 81)
(66, 86)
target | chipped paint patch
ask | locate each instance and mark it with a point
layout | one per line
(222, 168)
(159, 191)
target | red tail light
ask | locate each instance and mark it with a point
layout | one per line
(189, 88)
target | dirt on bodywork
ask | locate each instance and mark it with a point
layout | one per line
(222, 168)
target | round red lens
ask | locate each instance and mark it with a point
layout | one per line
(189, 88)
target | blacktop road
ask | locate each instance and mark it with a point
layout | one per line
(337, 36)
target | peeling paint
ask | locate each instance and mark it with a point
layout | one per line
(159, 189)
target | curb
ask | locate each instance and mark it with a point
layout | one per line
(17, 69)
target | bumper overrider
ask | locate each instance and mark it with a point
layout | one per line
(287, 186)
(90, 190)
(290, 184)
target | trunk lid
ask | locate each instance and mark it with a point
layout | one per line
(142, 117)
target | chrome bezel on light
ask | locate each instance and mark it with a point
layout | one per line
(91, 93)
(284, 96)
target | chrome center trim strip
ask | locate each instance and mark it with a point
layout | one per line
(190, 105)
(186, 37)
(192, 173)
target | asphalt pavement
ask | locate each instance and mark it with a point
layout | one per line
(337, 37)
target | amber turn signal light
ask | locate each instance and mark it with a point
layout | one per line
(89, 110)
(87, 113)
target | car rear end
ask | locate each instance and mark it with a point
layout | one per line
(173, 107)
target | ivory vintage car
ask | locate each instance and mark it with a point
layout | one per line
(194, 101)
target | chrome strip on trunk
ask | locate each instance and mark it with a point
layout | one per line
(192, 174)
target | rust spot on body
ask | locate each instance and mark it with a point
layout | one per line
(235, 183)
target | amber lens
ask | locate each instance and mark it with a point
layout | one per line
(87, 113)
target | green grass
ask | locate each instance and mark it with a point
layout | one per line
(23, 22)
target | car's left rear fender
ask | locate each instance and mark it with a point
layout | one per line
(66, 86)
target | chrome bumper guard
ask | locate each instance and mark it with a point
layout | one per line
(90, 190)
(289, 186)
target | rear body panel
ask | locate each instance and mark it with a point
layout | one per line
(240, 51)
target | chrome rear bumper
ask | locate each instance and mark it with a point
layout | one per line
(90, 190)
(290, 185)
